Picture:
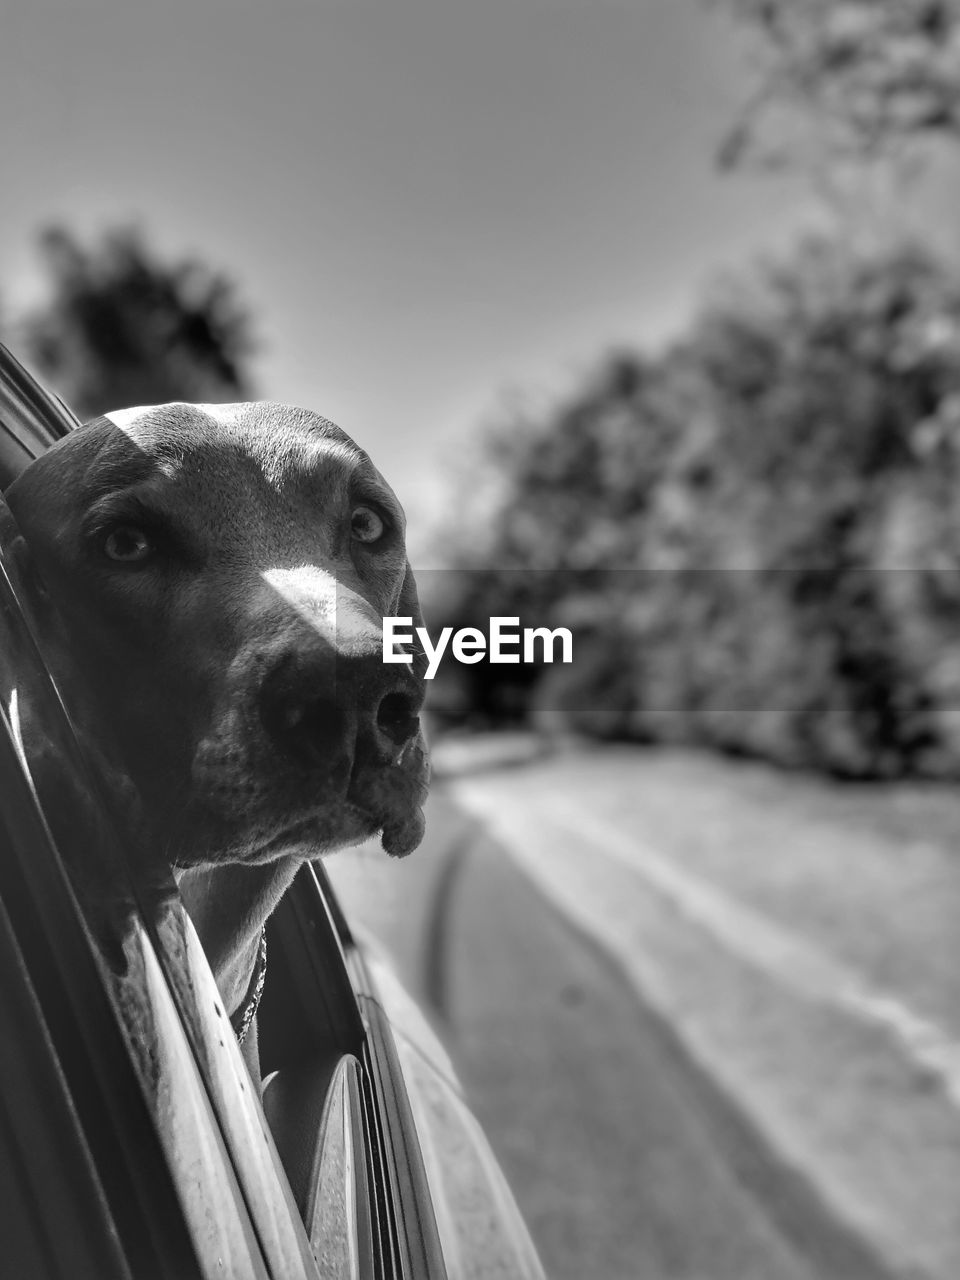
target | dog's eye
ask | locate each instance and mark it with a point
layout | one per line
(127, 543)
(366, 525)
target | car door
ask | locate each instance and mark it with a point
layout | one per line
(98, 1018)
(155, 991)
(222, 1164)
(364, 1161)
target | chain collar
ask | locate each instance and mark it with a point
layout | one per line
(240, 1021)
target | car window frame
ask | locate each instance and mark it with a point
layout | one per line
(398, 1205)
(167, 946)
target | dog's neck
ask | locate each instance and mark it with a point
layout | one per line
(229, 906)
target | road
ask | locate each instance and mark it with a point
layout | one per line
(611, 980)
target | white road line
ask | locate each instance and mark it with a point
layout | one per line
(770, 948)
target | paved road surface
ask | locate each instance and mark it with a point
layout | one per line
(586, 1100)
(802, 941)
(708, 1015)
(609, 1140)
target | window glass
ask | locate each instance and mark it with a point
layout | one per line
(217, 1143)
(230, 1185)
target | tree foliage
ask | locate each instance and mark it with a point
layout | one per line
(846, 78)
(120, 327)
(755, 534)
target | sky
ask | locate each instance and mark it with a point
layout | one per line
(427, 203)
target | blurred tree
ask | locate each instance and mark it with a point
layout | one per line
(832, 385)
(755, 534)
(122, 328)
(751, 535)
(846, 78)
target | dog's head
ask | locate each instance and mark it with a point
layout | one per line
(212, 583)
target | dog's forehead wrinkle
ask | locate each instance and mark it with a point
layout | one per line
(296, 452)
(281, 427)
(304, 472)
(114, 469)
(288, 449)
(91, 461)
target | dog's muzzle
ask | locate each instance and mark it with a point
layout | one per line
(312, 726)
(332, 711)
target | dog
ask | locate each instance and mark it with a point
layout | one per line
(211, 582)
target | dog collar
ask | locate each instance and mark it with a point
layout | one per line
(240, 1021)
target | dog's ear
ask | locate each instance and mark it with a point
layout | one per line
(417, 755)
(408, 606)
(52, 768)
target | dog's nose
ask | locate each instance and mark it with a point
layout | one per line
(308, 728)
(325, 695)
(326, 709)
(397, 720)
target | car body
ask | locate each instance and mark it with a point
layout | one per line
(131, 1141)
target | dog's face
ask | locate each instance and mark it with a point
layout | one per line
(212, 583)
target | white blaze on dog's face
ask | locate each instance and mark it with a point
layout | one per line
(214, 580)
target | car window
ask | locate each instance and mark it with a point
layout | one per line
(186, 1058)
(31, 419)
(185, 1053)
(360, 1204)
(104, 1000)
